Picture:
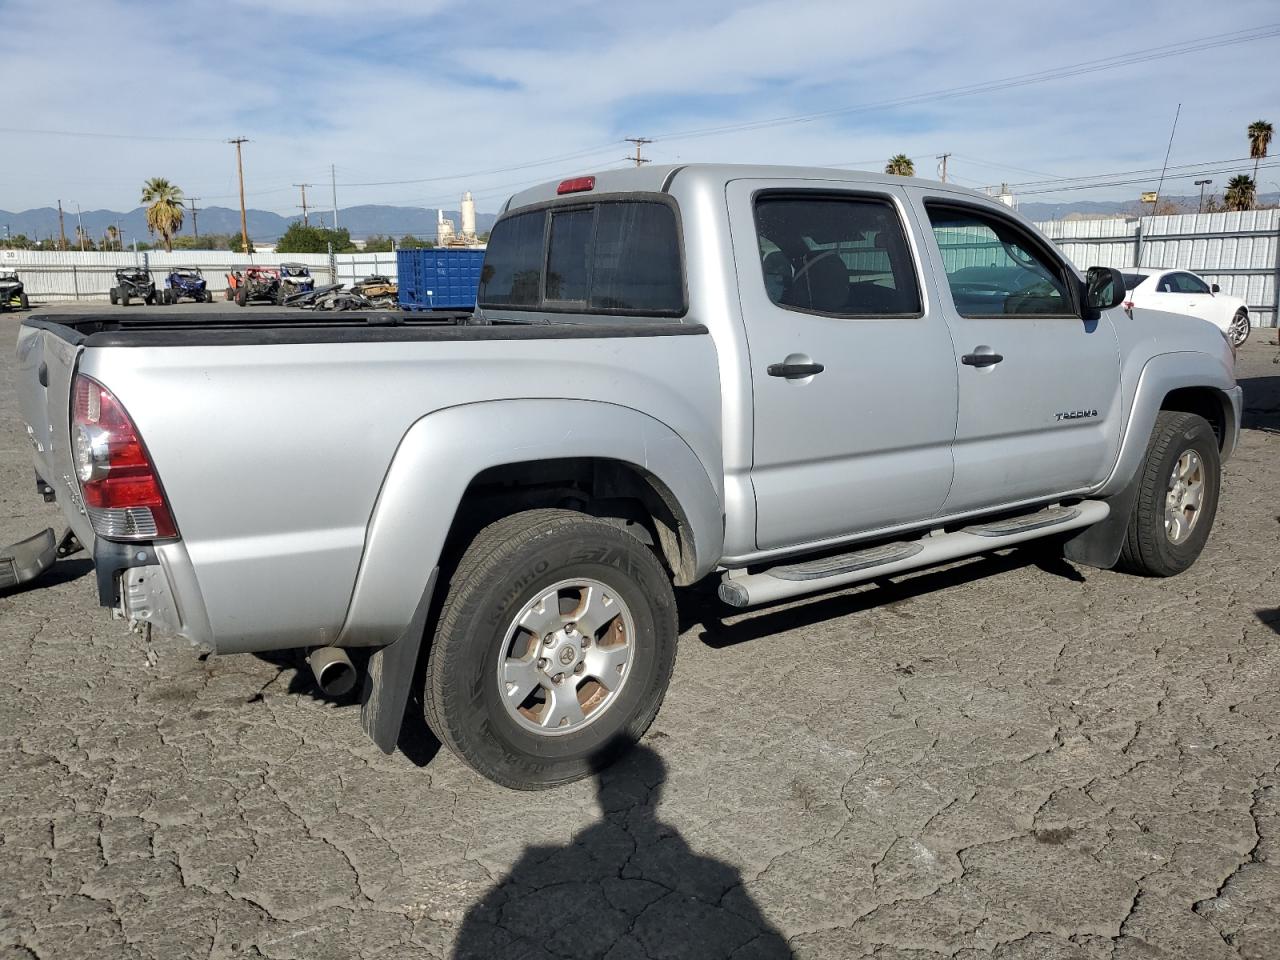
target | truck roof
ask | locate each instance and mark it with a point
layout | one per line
(656, 178)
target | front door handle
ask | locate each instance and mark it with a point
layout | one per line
(794, 371)
(981, 359)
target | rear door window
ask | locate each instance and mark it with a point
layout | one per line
(842, 256)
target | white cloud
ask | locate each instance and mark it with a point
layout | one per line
(397, 91)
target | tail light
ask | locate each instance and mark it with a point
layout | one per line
(121, 490)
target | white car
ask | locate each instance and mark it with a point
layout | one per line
(1181, 291)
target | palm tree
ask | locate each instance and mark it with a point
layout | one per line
(113, 236)
(1259, 139)
(900, 166)
(164, 216)
(1239, 193)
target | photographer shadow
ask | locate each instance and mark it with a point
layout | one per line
(628, 886)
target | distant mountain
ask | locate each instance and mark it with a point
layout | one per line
(1035, 210)
(362, 221)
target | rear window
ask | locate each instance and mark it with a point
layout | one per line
(608, 257)
(513, 262)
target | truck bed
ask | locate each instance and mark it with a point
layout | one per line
(250, 327)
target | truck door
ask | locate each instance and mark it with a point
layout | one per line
(1039, 385)
(852, 371)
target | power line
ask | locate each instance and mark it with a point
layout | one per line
(1122, 183)
(1179, 48)
(484, 173)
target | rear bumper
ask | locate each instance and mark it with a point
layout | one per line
(152, 584)
(24, 561)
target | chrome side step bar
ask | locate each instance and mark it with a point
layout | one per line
(742, 589)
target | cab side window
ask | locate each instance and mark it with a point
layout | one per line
(994, 268)
(838, 256)
(1186, 283)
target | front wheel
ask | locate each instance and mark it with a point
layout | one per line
(124, 297)
(23, 301)
(553, 649)
(1238, 331)
(114, 295)
(242, 297)
(1177, 497)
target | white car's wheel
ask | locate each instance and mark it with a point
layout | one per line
(1238, 331)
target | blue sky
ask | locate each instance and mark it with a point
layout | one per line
(456, 94)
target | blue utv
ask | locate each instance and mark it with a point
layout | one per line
(186, 282)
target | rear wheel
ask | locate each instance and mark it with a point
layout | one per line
(114, 295)
(1177, 497)
(553, 649)
(1238, 331)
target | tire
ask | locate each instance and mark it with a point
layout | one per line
(1150, 548)
(1239, 329)
(242, 297)
(208, 296)
(228, 294)
(114, 295)
(24, 301)
(124, 297)
(507, 568)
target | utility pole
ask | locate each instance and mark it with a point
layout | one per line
(1201, 184)
(943, 157)
(79, 226)
(333, 183)
(304, 186)
(62, 232)
(244, 217)
(195, 225)
(639, 142)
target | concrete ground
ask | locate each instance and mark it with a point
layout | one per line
(1010, 758)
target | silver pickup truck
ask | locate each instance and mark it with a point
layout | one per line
(787, 379)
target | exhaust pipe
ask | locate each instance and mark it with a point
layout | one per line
(335, 675)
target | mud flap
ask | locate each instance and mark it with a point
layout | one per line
(1099, 545)
(389, 677)
(24, 561)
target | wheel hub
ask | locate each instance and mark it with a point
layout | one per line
(565, 657)
(1184, 496)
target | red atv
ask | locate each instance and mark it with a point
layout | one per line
(253, 284)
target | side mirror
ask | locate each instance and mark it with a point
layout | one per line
(1104, 288)
(1214, 288)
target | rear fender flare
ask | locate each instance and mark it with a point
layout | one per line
(442, 452)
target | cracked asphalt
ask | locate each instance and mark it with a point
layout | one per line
(1008, 758)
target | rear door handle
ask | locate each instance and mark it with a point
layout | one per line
(981, 359)
(794, 371)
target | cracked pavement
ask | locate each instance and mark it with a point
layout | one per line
(1008, 758)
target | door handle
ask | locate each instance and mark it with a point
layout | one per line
(794, 371)
(981, 359)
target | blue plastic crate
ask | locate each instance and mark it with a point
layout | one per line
(439, 279)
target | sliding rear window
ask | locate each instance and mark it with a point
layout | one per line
(610, 257)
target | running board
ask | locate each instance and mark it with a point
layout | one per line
(742, 589)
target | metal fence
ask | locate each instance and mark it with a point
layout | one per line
(1238, 251)
(72, 275)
